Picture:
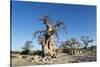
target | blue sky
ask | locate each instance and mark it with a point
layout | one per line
(78, 19)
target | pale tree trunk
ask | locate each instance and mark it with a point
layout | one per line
(48, 48)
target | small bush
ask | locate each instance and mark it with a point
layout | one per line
(38, 52)
(25, 52)
(70, 51)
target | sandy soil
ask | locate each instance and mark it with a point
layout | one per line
(60, 60)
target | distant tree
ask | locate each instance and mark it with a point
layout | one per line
(69, 43)
(27, 47)
(86, 40)
(69, 46)
(72, 43)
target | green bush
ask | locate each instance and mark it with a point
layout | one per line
(38, 52)
(68, 51)
(25, 52)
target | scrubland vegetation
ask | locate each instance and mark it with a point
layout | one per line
(70, 51)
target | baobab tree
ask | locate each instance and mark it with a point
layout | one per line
(46, 37)
(86, 40)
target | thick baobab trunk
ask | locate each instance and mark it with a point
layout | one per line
(48, 48)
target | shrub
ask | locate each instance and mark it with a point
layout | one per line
(38, 52)
(25, 52)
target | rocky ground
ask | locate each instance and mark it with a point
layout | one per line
(60, 59)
